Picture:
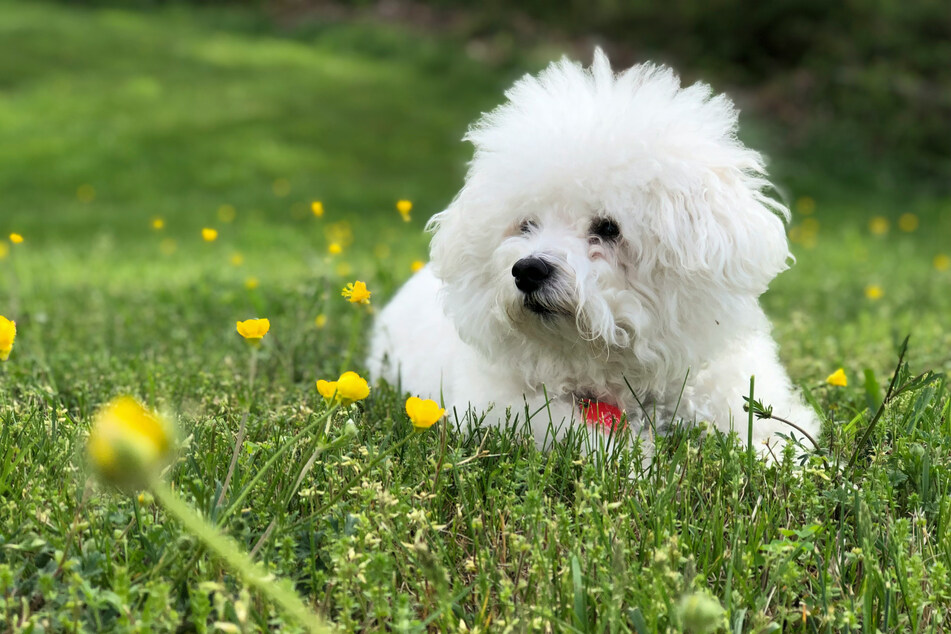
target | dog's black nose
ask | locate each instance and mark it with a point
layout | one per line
(530, 273)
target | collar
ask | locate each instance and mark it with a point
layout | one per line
(602, 416)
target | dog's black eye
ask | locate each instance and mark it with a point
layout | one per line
(528, 226)
(605, 228)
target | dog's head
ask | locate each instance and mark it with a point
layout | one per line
(605, 212)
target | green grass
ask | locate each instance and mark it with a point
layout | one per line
(173, 113)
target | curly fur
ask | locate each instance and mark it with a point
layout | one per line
(675, 296)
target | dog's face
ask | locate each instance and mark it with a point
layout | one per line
(558, 253)
(566, 276)
(606, 215)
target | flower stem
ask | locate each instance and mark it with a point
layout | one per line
(355, 330)
(252, 372)
(224, 547)
(750, 452)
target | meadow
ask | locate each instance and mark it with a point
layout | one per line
(124, 134)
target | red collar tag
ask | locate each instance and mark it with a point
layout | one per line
(603, 416)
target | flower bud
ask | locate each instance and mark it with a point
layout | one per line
(128, 444)
(8, 332)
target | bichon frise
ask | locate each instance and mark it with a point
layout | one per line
(605, 254)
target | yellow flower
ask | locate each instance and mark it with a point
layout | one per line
(16, 238)
(908, 222)
(806, 205)
(349, 388)
(317, 208)
(321, 320)
(878, 225)
(226, 213)
(356, 293)
(237, 259)
(874, 292)
(340, 232)
(209, 235)
(806, 233)
(423, 414)
(404, 207)
(282, 187)
(158, 224)
(352, 387)
(128, 443)
(86, 193)
(253, 329)
(327, 389)
(4, 250)
(941, 262)
(8, 332)
(838, 378)
(334, 248)
(417, 266)
(251, 283)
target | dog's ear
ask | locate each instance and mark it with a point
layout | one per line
(452, 250)
(457, 256)
(722, 229)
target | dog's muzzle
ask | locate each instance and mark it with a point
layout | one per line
(530, 274)
(533, 277)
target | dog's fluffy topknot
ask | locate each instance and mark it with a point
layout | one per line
(606, 120)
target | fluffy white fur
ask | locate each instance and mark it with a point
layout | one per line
(675, 296)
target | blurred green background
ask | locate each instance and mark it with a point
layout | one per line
(238, 116)
(185, 105)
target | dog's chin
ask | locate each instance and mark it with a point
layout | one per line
(539, 306)
(533, 305)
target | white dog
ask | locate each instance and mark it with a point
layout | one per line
(608, 247)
